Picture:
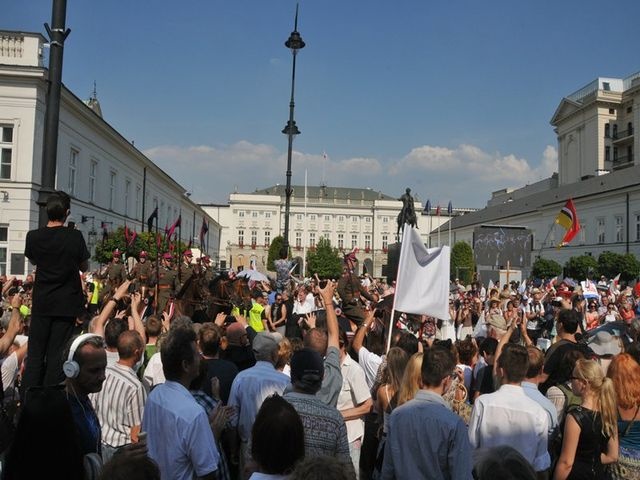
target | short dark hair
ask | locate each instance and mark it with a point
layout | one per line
(209, 339)
(277, 436)
(112, 331)
(128, 342)
(569, 320)
(514, 361)
(153, 326)
(437, 364)
(488, 346)
(316, 339)
(407, 342)
(176, 348)
(58, 204)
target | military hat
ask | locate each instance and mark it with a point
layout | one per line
(187, 253)
(167, 256)
(143, 254)
(116, 253)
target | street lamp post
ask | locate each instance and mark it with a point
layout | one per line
(294, 43)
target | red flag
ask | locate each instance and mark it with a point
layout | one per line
(438, 210)
(203, 231)
(158, 241)
(568, 218)
(175, 225)
(126, 235)
(132, 238)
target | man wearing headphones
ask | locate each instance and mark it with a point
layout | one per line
(85, 371)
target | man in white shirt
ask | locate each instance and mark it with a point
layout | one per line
(354, 401)
(508, 416)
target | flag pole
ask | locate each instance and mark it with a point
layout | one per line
(438, 226)
(395, 293)
(450, 217)
(304, 236)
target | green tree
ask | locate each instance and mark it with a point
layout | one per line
(274, 252)
(611, 264)
(326, 261)
(462, 264)
(144, 241)
(581, 267)
(545, 268)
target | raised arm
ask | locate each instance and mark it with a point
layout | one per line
(15, 325)
(138, 326)
(107, 309)
(361, 333)
(333, 333)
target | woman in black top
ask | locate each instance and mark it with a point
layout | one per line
(590, 431)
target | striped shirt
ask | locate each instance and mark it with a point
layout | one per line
(119, 405)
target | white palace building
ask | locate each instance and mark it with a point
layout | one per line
(597, 168)
(109, 180)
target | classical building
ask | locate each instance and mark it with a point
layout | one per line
(596, 168)
(349, 217)
(110, 181)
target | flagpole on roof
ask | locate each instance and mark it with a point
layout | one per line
(450, 214)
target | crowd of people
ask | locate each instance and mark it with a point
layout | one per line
(531, 380)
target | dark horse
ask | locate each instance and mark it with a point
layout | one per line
(202, 300)
(227, 293)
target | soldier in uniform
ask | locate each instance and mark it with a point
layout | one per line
(351, 292)
(167, 281)
(186, 268)
(141, 274)
(116, 273)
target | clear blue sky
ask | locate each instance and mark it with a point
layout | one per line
(452, 99)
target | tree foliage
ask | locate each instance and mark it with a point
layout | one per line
(462, 264)
(144, 241)
(274, 252)
(546, 268)
(326, 261)
(581, 267)
(611, 264)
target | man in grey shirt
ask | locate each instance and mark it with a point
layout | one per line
(425, 439)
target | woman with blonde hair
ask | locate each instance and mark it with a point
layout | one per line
(412, 379)
(591, 430)
(624, 371)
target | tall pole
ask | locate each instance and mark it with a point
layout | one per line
(304, 235)
(294, 43)
(144, 196)
(57, 36)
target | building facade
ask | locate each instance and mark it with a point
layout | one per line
(110, 181)
(349, 217)
(595, 128)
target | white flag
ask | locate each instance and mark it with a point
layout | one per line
(422, 286)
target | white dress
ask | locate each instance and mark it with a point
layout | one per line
(447, 331)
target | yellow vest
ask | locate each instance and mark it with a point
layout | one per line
(97, 286)
(255, 317)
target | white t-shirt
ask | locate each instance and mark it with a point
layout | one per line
(153, 374)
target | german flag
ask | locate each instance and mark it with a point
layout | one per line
(568, 219)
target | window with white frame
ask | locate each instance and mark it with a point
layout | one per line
(298, 239)
(93, 170)
(127, 194)
(241, 237)
(354, 241)
(582, 236)
(340, 240)
(241, 213)
(619, 222)
(312, 239)
(112, 189)
(341, 218)
(367, 241)
(254, 237)
(367, 219)
(267, 214)
(6, 151)
(385, 241)
(254, 214)
(327, 218)
(637, 227)
(267, 237)
(73, 166)
(600, 230)
(312, 217)
(354, 219)
(385, 219)
(4, 243)
(299, 217)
